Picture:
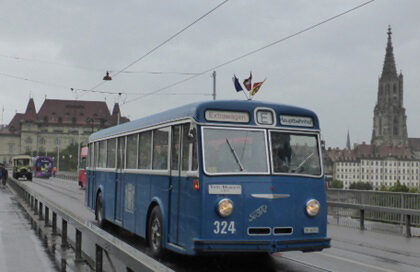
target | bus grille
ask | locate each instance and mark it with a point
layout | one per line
(283, 231)
(259, 231)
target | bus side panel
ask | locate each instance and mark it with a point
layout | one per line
(107, 180)
(142, 202)
(128, 197)
(189, 216)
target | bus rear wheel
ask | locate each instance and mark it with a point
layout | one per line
(99, 210)
(155, 230)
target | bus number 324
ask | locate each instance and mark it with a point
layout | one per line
(224, 227)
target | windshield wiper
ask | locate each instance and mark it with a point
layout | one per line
(303, 162)
(238, 161)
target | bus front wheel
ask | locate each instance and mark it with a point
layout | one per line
(155, 229)
(99, 212)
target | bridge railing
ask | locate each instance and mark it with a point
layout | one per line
(48, 211)
(384, 207)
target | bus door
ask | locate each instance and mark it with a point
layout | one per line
(183, 160)
(91, 177)
(119, 178)
(174, 184)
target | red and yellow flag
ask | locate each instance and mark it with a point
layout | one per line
(256, 87)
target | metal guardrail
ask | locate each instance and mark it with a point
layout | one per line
(386, 207)
(134, 259)
(67, 175)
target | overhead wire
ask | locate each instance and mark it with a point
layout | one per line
(162, 43)
(255, 50)
(93, 69)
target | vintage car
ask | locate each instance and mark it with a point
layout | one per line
(22, 167)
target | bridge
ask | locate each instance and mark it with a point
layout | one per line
(44, 226)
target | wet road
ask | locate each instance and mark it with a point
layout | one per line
(352, 250)
(20, 247)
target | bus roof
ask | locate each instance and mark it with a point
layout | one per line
(197, 110)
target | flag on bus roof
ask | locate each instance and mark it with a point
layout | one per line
(248, 82)
(238, 86)
(256, 87)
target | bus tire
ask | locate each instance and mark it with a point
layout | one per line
(155, 231)
(99, 210)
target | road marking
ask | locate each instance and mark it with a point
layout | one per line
(355, 262)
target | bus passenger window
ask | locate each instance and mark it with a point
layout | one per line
(96, 157)
(189, 149)
(121, 152)
(132, 151)
(175, 147)
(102, 154)
(145, 150)
(110, 153)
(160, 148)
(90, 155)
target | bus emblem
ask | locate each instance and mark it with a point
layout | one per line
(258, 212)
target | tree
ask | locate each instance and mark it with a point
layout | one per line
(361, 186)
(398, 187)
(335, 183)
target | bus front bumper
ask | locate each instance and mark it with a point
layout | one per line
(307, 245)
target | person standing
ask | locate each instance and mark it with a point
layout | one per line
(4, 174)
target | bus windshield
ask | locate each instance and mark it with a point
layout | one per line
(295, 153)
(235, 151)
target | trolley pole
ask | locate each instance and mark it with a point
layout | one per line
(214, 85)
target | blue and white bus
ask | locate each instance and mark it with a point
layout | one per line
(215, 176)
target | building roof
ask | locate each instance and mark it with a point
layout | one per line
(389, 70)
(66, 113)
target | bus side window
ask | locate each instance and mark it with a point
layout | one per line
(132, 151)
(145, 150)
(102, 154)
(96, 156)
(121, 152)
(189, 149)
(91, 155)
(110, 153)
(176, 134)
(160, 148)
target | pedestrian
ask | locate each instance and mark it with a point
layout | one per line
(54, 171)
(4, 174)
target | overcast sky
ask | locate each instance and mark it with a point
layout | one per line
(332, 70)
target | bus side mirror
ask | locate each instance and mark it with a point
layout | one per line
(192, 131)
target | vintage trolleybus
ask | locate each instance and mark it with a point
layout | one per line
(218, 176)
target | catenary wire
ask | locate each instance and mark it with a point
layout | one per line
(95, 69)
(254, 51)
(162, 43)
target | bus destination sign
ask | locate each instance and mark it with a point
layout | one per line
(296, 121)
(227, 116)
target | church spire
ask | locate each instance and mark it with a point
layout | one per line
(389, 70)
(348, 145)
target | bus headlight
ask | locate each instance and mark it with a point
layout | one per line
(225, 207)
(312, 207)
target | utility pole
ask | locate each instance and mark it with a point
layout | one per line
(214, 85)
(58, 158)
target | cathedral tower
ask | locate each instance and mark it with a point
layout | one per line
(390, 120)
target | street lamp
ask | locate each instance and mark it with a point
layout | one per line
(107, 77)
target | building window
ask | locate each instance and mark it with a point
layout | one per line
(42, 140)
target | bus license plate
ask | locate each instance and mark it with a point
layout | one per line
(308, 230)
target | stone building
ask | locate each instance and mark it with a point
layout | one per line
(389, 119)
(57, 124)
(391, 156)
